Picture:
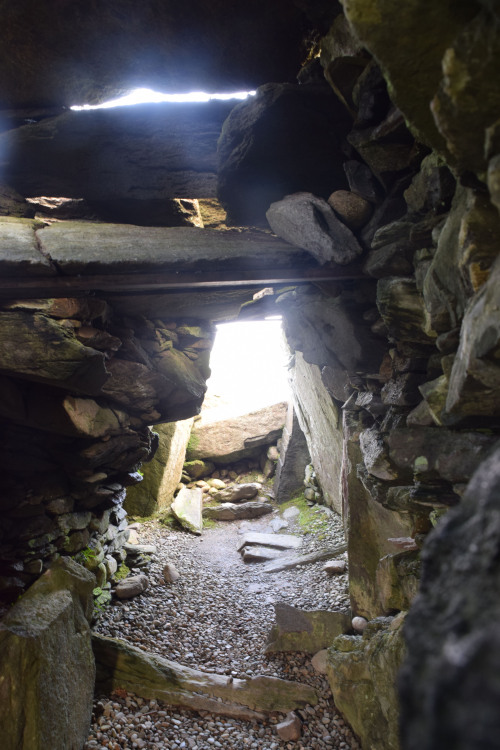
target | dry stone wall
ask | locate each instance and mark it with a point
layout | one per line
(80, 387)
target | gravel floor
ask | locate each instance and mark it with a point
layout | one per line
(216, 618)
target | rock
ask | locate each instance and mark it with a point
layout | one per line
(351, 208)
(343, 59)
(359, 624)
(298, 630)
(133, 537)
(475, 377)
(279, 541)
(225, 441)
(411, 48)
(455, 647)
(170, 573)
(162, 473)
(362, 672)
(402, 309)
(335, 567)
(375, 456)
(273, 453)
(187, 508)
(260, 554)
(121, 665)
(277, 524)
(236, 492)
(131, 586)
(19, 252)
(292, 561)
(45, 641)
(285, 139)
(318, 418)
(309, 222)
(432, 188)
(261, 54)
(217, 484)
(319, 661)
(362, 182)
(290, 730)
(233, 512)
(387, 147)
(197, 469)
(139, 549)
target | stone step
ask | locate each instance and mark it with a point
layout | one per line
(293, 561)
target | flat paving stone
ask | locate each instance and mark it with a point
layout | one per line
(280, 541)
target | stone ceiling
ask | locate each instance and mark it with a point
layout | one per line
(65, 52)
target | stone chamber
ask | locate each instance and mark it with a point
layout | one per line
(362, 185)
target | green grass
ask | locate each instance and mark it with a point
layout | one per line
(121, 573)
(310, 519)
(209, 523)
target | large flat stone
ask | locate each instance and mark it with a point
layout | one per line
(279, 541)
(226, 441)
(238, 512)
(99, 248)
(120, 665)
(260, 554)
(187, 508)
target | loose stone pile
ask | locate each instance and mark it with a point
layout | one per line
(216, 617)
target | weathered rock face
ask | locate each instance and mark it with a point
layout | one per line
(45, 642)
(293, 459)
(63, 56)
(284, 140)
(319, 421)
(229, 440)
(163, 473)
(451, 637)
(362, 672)
(298, 630)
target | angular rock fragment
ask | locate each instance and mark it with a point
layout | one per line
(187, 508)
(309, 222)
(291, 729)
(170, 573)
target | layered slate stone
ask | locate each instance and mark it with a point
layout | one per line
(47, 673)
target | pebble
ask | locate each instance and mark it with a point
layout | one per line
(216, 618)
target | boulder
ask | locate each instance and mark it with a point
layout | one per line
(132, 586)
(163, 473)
(198, 469)
(285, 139)
(298, 630)
(335, 567)
(47, 673)
(236, 492)
(187, 508)
(226, 441)
(309, 222)
(362, 672)
(293, 459)
(238, 512)
(353, 210)
(121, 665)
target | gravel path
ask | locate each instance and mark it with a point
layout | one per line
(216, 618)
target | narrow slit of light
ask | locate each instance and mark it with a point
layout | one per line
(148, 96)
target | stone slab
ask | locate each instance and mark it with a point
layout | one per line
(278, 541)
(292, 562)
(187, 508)
(260, 554)
(19, 253)
(298, 630)
(98, 248)
(237, 512)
